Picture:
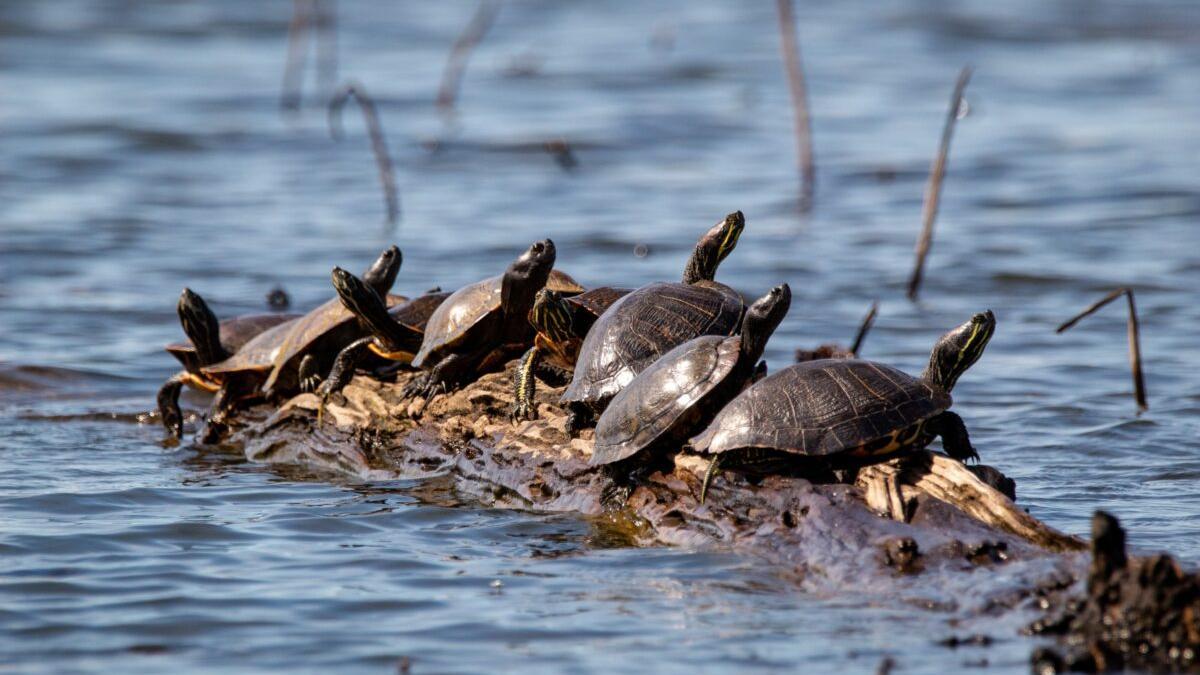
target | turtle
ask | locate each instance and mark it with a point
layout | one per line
(678, 394)
(561, 323)
(394, 335)
(230, 336)
(846, 413)
(245, 373)
(650, 321)
(482, 325)
(325, 330)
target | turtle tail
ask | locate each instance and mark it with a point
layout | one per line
(713, 467)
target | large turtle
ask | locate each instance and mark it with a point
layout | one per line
(393, 335)
(242, 375)
(482, 325)
(839, 413)
(229, 337)
(561, 323)
(677, 395)
(650, 321)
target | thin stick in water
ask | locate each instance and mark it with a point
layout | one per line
(456, 63)
(297, 54)
(387, 175)
(327, 45)
(790, 47)
(864, 328)
(933, 191)
(1135, 342)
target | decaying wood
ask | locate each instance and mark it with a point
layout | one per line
(827, 536)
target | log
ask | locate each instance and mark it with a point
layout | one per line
(828, 537)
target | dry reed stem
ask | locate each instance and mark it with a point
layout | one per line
(1135, 342)
(933, 191)
(460, 53)
(387, 175)
(864, 328)
(790, 47)
(297, 54)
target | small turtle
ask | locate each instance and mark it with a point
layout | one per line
(395, 335)
(842, 413)
(241, 374)
(650, 321)
(229, 337)
(561, 323)
(677, 395)
(326, 329)
(480, 326)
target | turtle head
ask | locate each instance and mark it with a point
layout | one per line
(713, 247)
(761, 320)
(368, 306)
(551, 315)
(526, 276)
(382, 273)
(201, 327)
(958, 350)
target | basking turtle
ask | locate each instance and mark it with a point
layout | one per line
(561, 323)
(241, 374)
(395, 335)
(482, 325)
(326, 329)
(677, 395)
(846, 412)
(231, 334)
(650, 321)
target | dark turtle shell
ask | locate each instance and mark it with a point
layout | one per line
(663, 396)
(644, 325)
(415, 313)
(594, 302)
(823, 408)
(452, 322)
(234, 333)
(330, 326)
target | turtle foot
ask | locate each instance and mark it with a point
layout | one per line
(523, 411)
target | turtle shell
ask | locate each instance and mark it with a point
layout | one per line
(416, 312)
(466, 308)
(644, 325)
(823, 408)
(256, 355)
(664, 397)
(593, 303)
(234, 333)
(330, 320)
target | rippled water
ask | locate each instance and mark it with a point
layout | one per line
(143, 149)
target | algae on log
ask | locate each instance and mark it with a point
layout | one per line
(829, 536)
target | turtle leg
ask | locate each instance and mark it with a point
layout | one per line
(224, 404)
(714, 467)
(310, 375)
(581, 417)
(341, 372)
(955, 440)
(624, 478)
(525, 387)
(168, 404)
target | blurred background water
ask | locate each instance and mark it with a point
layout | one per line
(142, 148)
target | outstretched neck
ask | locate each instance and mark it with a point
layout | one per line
(700, 266)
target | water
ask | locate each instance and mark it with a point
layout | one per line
(143, 149)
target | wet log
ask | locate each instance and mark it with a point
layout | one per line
(830, 536)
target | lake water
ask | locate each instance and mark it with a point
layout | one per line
(142, 148)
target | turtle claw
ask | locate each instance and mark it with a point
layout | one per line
(416, 386)
(310, 384)
(523, 412)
